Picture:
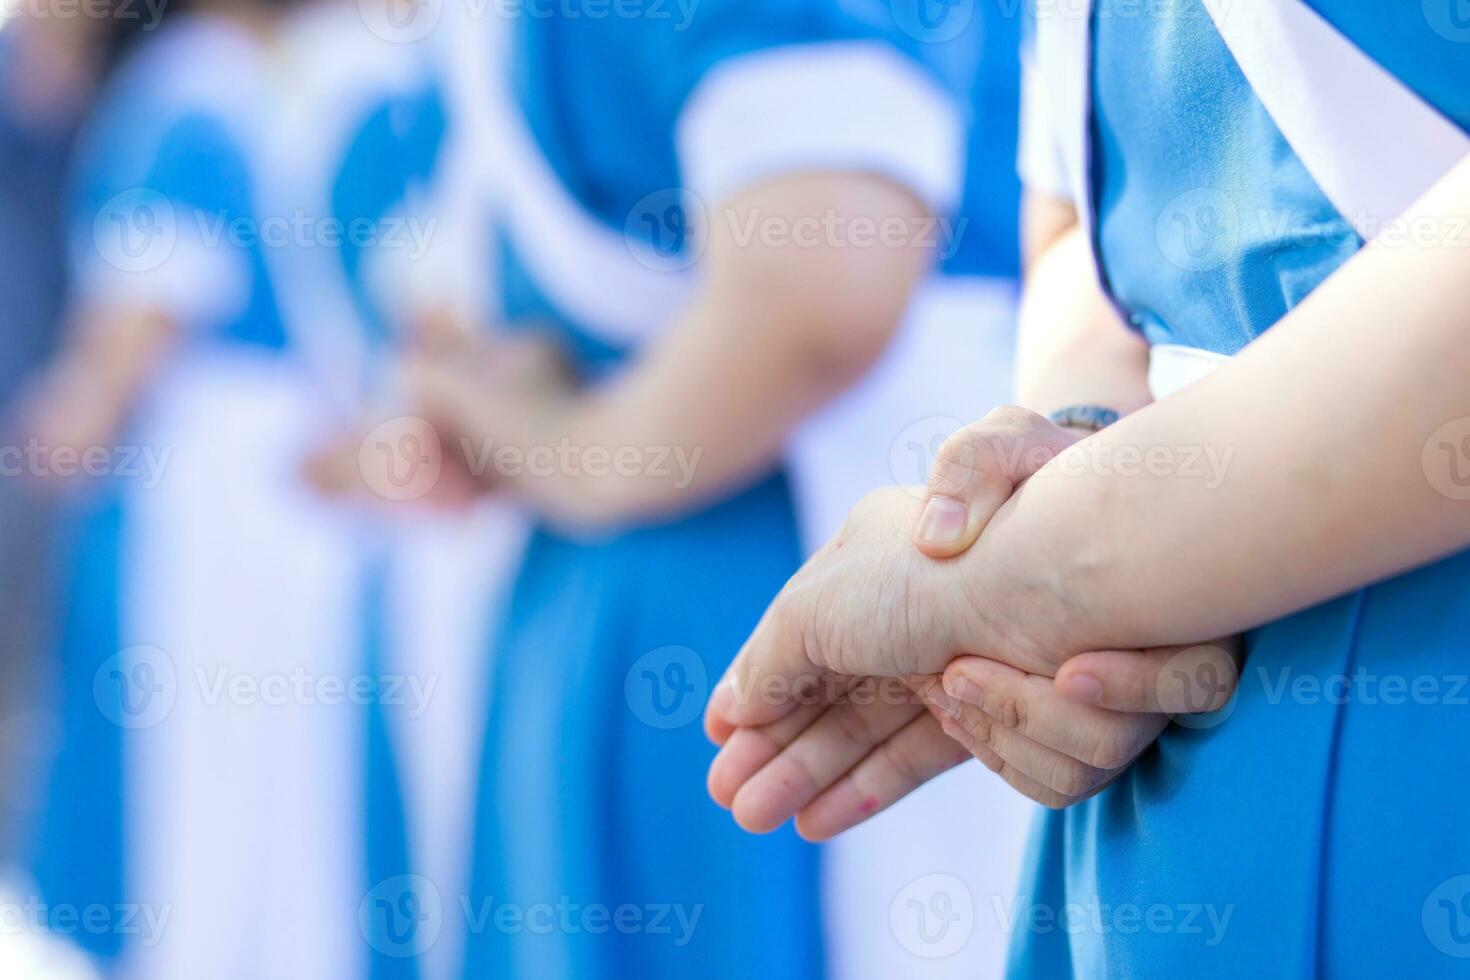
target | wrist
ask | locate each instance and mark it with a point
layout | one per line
(1022, 605)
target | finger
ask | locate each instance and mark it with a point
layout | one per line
(838, 740)
(747, 750)
(1018, 779)
(914, 755)
(1067, 777)
(1171, 680)
(1031, 707)
(976, 471)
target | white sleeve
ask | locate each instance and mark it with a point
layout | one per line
(1041, 158)
(841, 105)
(143, 252)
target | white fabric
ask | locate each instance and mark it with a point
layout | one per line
(855, 105)
(958, 840)
(1040, 159)
(1371, 143)
(1174, 366)
(949, 364)
(587, 269)
(1063, 58)
(233, 570)
(450, 577)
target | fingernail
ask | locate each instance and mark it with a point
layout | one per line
(943, 521)
(965, 690)
(957, 732)
(946, 704)
(1082, 688)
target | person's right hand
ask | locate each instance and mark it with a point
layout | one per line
(835, 766)
(870, 604)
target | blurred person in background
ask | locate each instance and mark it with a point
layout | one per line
(196, 652)
(636, 150)
(373, 139)
(49, 63)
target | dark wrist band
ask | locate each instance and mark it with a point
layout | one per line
(1093, 418)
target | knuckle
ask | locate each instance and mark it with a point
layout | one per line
(1011, 417)
(854, 725)
(963, 462)
(1113, 747)
(982, 731)
(903, 762)
(1010, 712)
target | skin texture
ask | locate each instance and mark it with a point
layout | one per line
(778, 328)
(1084, 558)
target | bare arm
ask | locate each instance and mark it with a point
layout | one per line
(83, 399)
(1332, 427)
(782, 323)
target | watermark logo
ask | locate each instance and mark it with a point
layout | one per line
(401, 459)
(1450, 19)
(933, 21)
(667, 688)
(933, 916)
(1446, 917)
(912, 454)
(1198, 230)
(1202, 684)
(662, 230)
(401, 21)
(136, 688)
(402, 916)
(136, 231)
(1446, 459)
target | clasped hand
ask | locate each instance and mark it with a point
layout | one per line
(881, 664)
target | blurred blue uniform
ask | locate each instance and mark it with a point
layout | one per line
(34, 149)
(599, 853)
(356, 144)
(1316, 835)
(170, 795)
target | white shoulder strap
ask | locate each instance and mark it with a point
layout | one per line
(1063, 59)
(1371, 143)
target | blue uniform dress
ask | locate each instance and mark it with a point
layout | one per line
(359, 143)
(1315, 827)
(165, 797)
(599, 853)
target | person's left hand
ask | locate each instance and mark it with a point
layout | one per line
(487, 394)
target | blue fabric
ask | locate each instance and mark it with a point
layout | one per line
(603, 96)
(988, 242)
(592, 788)
(147, 136)
(33, 157)
(1313, 828)
(393, 936)
(78, 860)
(195, 159)
(393, 155)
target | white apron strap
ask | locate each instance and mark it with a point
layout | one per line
(1371, 143)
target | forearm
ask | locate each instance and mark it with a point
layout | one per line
(775, 333)
(1072, 349)
(1304, 468)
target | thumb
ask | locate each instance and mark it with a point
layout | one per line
(976, 471)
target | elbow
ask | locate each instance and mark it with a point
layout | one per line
(855, 307)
